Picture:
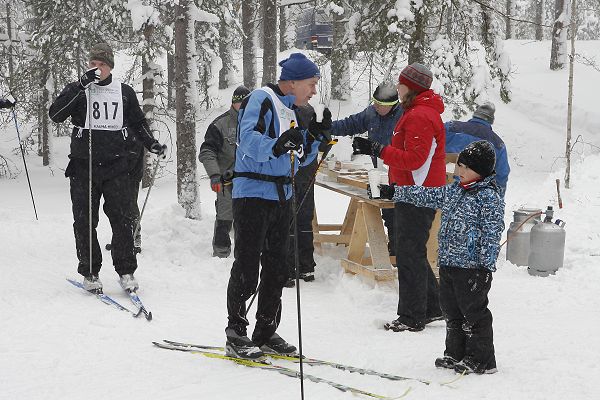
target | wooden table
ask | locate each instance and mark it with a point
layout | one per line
(362, 229)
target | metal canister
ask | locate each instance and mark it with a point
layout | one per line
(517, 250)
(547, 246)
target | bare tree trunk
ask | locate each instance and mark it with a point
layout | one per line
(45, 129)
(270, 41)
(44, 102)
(509, 12)
(449, 21)
(225, 54)
(41, 110)
(148, 105)
(187, 188)
(558, 53)
(170, 79)
(417, 39)
(9, 47)
(248, 49)
(570, 101)
(340, 63)
(539, 19)
(283, 21)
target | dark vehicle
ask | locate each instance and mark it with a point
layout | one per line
(314, 31)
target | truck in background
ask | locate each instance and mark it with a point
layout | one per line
(314, 31)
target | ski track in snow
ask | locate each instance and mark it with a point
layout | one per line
(60, 343)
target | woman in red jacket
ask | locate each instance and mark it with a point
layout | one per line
(416, 156)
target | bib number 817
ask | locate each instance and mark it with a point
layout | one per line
(96, 110)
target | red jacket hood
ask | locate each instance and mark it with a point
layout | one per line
(430, 99)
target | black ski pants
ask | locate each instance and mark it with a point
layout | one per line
(418, 287)
(113, 183)
(388, 220)
(261, 229)
(304, 218)
(464, 300)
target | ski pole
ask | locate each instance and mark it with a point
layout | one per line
(24, 162)
(89, 125)
(297, 268)
(139, 221)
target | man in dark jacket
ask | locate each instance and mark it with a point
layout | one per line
(459, 134)
(379, 120)
(112, 111)
(217, 154)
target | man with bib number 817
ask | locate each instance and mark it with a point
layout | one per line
(115, 117)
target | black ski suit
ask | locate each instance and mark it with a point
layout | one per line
(115, 120)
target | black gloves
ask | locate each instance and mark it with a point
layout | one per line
(6, 103)
(292, 139)
(387, 191)
(159, 149)
(366, 146)
(90, 76)
(320, 130)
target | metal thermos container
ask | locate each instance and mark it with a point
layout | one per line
(517, 250)
(547, 246)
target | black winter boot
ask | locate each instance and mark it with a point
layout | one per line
(446, 362)
(469, 366)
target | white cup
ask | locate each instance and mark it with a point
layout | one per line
(374, 181)
(384, 180)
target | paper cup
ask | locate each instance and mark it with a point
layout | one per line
(374, 181)
(383, 179)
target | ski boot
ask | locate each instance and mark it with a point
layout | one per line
(92, 284)
(277, 345)
(128, 283)
(446, 362)
(238, 346)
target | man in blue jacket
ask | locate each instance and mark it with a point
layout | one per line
(460, 134)
(379, 120)
(271, 142)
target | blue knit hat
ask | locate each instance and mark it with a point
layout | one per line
(297, 67)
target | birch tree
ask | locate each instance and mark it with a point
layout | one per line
(187, 187)
(558, 53)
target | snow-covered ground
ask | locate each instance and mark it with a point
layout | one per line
(59, 343)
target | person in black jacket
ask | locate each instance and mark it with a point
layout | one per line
(115, 117)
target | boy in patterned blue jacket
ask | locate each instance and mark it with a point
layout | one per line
(469, 241)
